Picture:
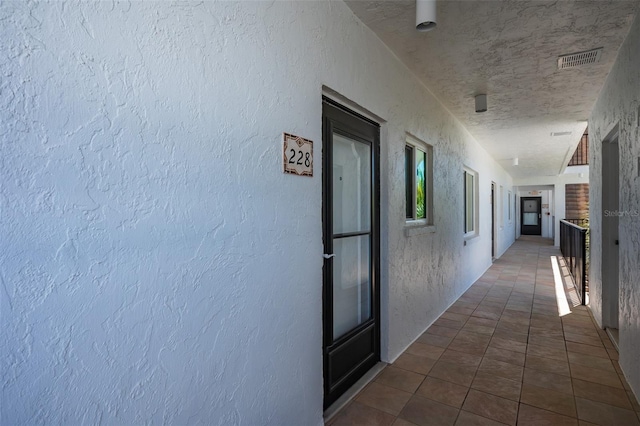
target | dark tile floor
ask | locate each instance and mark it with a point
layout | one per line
(508, 351)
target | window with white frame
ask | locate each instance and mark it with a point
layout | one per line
(418, 157)
(470, 202)
(509, 207)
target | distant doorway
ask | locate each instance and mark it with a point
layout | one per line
(531, 216)
(493, 220)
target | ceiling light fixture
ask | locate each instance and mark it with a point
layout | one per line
(425, 15)
(515, 161)
(481, 103)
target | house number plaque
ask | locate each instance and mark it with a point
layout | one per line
(297, 155)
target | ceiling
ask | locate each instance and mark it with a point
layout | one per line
(508, 49)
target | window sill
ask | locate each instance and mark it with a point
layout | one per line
(418, 227)
(470, 238)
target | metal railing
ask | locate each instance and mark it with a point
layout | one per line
(581, 155)
(583, 223)
(575, 250)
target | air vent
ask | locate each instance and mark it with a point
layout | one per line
(560, 133)
(578, 59)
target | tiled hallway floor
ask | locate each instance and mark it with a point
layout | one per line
(502, 354)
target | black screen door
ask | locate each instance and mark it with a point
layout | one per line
(351, 302)
(531, 216)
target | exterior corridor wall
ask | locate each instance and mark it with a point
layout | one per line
(157, 265)
(618, 104)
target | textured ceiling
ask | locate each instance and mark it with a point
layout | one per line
(509, 50)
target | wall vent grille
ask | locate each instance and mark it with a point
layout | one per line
(579, 59)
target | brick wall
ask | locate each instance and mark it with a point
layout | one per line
(577, 201)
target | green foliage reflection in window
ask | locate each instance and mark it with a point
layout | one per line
(418, 180)
(420, 185)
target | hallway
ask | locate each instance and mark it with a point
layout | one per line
(502, 354)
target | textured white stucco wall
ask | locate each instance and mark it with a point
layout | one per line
(152, 248)
(429, 272)
(157, 265)
(618, 104)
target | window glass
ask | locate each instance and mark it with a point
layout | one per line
(418, 159)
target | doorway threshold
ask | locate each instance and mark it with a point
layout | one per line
(346, 397)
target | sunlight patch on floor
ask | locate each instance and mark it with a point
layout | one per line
(561, 299)
(570, 289)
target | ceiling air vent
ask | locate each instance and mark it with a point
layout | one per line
(578, 59)
(560, 133)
